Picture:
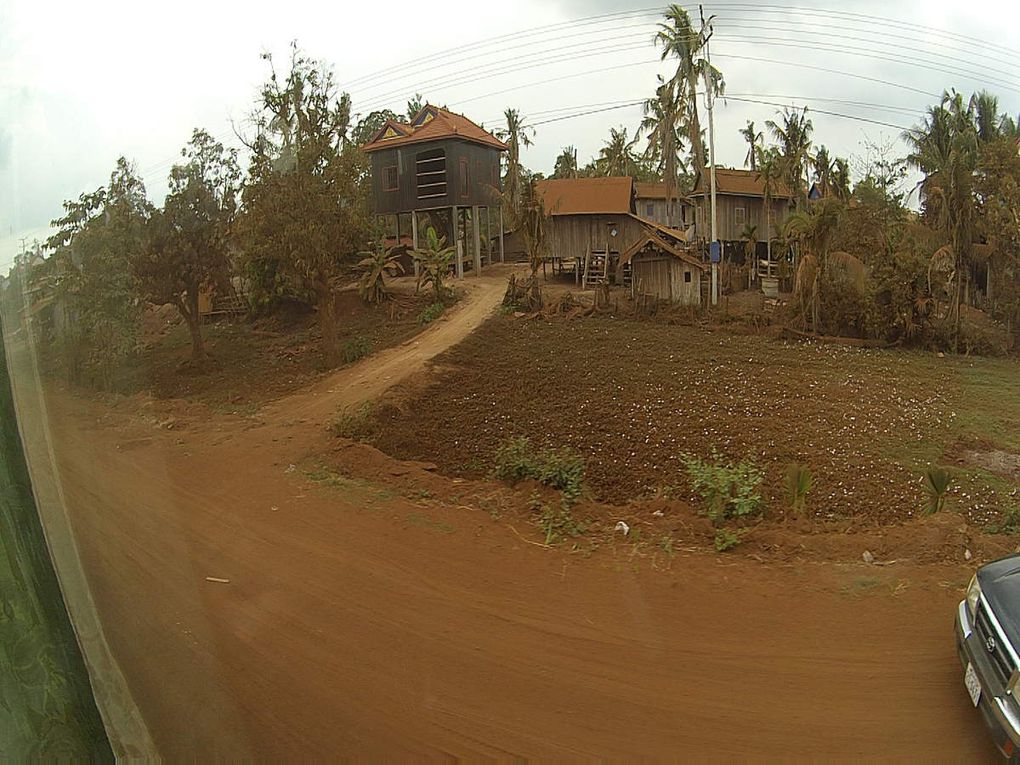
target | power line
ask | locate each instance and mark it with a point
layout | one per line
(818, 111)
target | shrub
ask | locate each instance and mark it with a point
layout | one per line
(351, 422)
(561, 469)
(431, 312)
(730, 489)
(354, 349)
(726, 539)
(1010, 523)
(936, 484)
(558, 523)
(798, 484)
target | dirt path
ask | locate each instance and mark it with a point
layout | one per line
(357, 621)
(372, 376)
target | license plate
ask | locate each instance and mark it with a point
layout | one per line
(970, 679)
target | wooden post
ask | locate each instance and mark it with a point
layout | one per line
(455, 219)
(488, 233)
(501, 234)
(414, 240)
(476, 226)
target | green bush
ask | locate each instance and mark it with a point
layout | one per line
(730, 489)
(354, 349)
(557, 524)
(431, 312)
(561, 469)
(726, 539)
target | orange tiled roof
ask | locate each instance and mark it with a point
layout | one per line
(430, 124)
(744, 183)
(586, 196)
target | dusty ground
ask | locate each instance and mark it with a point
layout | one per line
(632, 397)
(371, 611)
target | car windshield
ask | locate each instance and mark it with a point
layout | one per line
(586, 381)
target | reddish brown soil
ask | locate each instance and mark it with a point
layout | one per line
(633, 397)
(381, 616)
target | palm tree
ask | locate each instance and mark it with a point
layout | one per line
(841, 178)
(515, 135)
(821, 167)
(813, 230)
(679, 40)
(753, 139)
(945, 148)
(985, 107)
(566, 163)
(616, 157)
(663, 122)
(770, 171)
(794, 139)
(750, 237)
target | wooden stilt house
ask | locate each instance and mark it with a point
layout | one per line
(444, 168)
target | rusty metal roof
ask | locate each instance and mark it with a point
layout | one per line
(432, 123)
(611, 195)
(742, 183)
(653, 190)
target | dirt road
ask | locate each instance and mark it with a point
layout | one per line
(361, 622)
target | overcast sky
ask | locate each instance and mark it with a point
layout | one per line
(82, 83)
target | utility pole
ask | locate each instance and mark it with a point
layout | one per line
(710, 99)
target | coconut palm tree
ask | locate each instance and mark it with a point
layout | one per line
(841, 178)
(985, 108)
(794, 139)
(566, 163)
(753, 139)
(680, 41)
(945, 148)
(821, 167)
(516, 134)
(812, 229)
(663, 123)
(770, 171)
(616, 157)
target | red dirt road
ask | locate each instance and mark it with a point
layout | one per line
(371, 625)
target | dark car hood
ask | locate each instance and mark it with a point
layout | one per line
(1000, 584)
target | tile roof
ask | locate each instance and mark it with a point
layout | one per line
(743, 183)
(587, 196)
(432, 123)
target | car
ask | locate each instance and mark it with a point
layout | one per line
(988, 643)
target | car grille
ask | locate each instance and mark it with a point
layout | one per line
(993, 643)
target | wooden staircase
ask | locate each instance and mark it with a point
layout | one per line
(596, 269)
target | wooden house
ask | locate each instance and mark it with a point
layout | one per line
(442, 164)
(662, 270)
(651, 204)
(740, 201)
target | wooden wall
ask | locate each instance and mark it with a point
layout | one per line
(729, 224)
(682, 216)
(663, 277)
(480, 162)
(571, 236)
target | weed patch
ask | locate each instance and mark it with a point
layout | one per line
(557, 523)
(354, 349)
(351, 422)
(730, 489)
(431, 312)
(560, 469)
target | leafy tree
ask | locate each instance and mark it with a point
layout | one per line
(187, 247)
(97, 312)
(369, 125)
(753, 139)
(841, 178)
(813, 229)
(793, 135)
(663, 123)
(415, 105)
(679, 40)
(516, 134)
(306, 213)
(376, 265)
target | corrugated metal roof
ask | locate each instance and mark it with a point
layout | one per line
(744, 183)
(441, 124)
(587, 196)
(653, 190)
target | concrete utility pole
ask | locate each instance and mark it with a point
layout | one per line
(710, 99)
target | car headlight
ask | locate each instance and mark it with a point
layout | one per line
(973, 593)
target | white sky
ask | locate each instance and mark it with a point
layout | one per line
(83, 82)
